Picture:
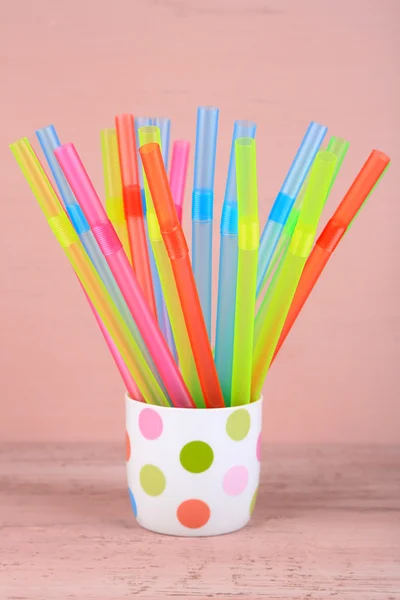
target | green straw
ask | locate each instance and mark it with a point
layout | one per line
(248, 242)
(300, 247)
(337, 146)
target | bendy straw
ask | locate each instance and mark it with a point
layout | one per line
(202, 206)
(248, 241)
(334, 231)
(168, 285)
(117, 260)
(339, 147)
(300, 246)
(164, 126)
(113, 187)
(177, 249)
(178, 174)
(141, 122)
(49, 142)
(102, 302)
(133, 206)
(228, 260)
(162, 313)
(287, 197)
(156, 244)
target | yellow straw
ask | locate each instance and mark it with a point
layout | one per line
(87, 275)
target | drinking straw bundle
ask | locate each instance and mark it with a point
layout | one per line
(150, 298)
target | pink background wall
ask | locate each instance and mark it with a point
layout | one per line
(280, 63)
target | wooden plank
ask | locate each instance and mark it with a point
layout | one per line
(327, 524)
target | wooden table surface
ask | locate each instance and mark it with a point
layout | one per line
(326, 525)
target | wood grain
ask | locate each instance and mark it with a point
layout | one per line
(327, 524)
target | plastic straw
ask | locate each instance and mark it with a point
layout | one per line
(330, 237)
(133, 206)
(339, 147)
(202, 206)
(168, 285)
(178, 175)
(300, 246)
(130, 385)
(162, 313)
(248, 241)
(178, 253)
(113, 187)
(155, 240)
(228, 261)
(164, 125)
(117, 260)
(286, 198)
(101, 300)
(49, 141)
(141, 122)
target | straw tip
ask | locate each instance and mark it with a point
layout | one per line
(124, 119)
(42, 130)
(149, 148)
(181, 144)
(245, 141)
(378, 154)
(21, 142)
(67, 147)
(208, 108)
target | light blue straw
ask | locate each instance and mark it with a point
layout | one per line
(164, 125)
(202, 206)
(228, 259)
(162, 313)
(49, 142)
(287, 196)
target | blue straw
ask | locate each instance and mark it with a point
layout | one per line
(162, 313)
(202, 206)
(49, 142)
(164, 125)
(287, 196)
(228, 260)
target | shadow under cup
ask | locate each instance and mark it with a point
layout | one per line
(193, 472)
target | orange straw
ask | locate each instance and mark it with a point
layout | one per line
(134, 207)
(336, 227)
(178, 253)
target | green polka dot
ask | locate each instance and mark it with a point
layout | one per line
(196, 457)
(238, 424)
(152, 480)
(253, 502)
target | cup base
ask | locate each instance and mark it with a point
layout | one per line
(191, 532)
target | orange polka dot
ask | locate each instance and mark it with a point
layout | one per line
(128, 446)
(193, 513)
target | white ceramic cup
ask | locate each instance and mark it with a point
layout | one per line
(193, 472)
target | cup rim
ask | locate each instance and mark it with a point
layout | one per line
(214, 410)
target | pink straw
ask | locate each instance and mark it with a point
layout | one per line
(118, 262)
(130, 385)
(177, 178)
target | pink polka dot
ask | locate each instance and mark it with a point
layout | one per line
(235, 481)
(150, 424)
(258, 448)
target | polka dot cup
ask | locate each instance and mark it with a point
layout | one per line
(193, 472)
